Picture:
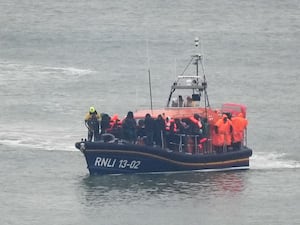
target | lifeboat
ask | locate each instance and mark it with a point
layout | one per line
(189, 145)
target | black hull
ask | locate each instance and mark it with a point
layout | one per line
(114, 158)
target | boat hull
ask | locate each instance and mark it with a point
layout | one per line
(113, 158)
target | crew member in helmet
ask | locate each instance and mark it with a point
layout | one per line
(92, 119)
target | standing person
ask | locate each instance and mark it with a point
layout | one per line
(159, 132)
(129, 128)
(196, 124)
(115, 126)
(239, 124)
(149, 129)
(105, 122)
(140, 133)
(170, 130)
(91, 120)
(196, 133)
(189, 101)
(180, 101)
(222, 134)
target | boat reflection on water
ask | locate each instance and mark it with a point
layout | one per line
(99, 190)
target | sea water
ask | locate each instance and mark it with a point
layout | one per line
(57, 58)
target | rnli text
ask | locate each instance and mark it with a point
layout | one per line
(122, 163)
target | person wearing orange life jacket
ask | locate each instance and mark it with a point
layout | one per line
(239, 124)
(171, 129)
(222, 134)
(170, 125)
(195, 131)
(115, 126)
(197, 125)
(228, 132)
(115, 121)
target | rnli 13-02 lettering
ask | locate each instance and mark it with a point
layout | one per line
(122, 163)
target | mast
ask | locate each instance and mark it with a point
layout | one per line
(199, 60)
(193, 83)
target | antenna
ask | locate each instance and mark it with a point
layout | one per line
(149, 77)
(196, 41)
(199, 59)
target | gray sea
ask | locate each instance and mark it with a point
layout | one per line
(57, 58)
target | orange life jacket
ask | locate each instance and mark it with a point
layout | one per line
(169, 124)
(224, 133)
(195, 121)
(239, 124)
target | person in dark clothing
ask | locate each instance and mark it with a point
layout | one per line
(181, 126)
(205, 127)
(187, 125)
(149, 129)
(181, 131)
(141, 133)
(159, 132)
(129, 128)
(105, 120)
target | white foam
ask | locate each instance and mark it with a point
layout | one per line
(13, 71)
(42, 145)
(25, 140)
(69, 70)
(273, 160)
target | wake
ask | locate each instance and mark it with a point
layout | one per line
(273, 160)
